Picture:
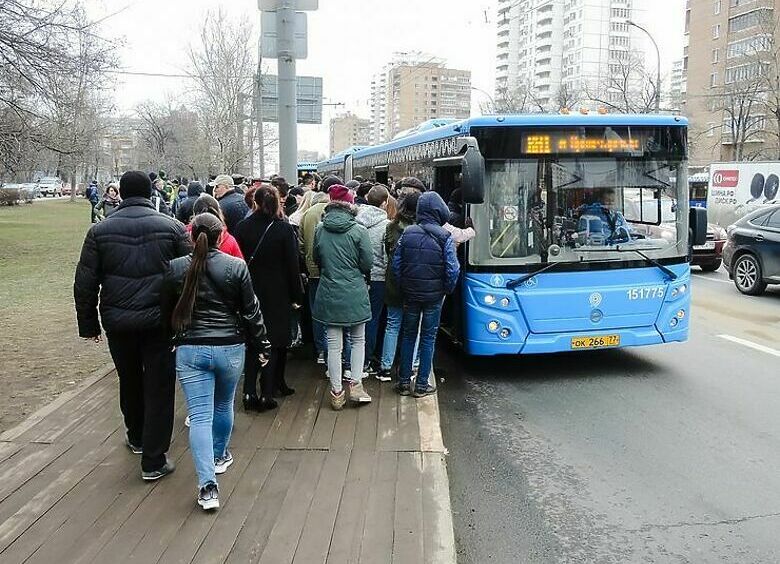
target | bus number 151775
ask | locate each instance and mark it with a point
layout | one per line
(646, 293)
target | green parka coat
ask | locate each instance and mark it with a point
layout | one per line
(342, 250)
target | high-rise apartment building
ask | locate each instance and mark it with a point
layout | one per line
(348, 130)
(729, 48)
(563, 52)
(677, 86)
(414, 88)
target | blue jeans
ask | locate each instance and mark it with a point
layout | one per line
(336, 340)
(431, 315)
(376, 295)
(318, 329)
(208, 376)
(395, 316)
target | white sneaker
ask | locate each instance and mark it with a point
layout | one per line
(208, 497)
(187, 421)
(221, 464)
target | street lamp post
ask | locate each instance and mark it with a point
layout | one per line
(658, 67)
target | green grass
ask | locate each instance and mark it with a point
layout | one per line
(42, 354)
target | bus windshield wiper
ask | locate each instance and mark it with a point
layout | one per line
(671, 274)
(512, 284)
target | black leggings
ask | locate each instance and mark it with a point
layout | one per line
(271, 375)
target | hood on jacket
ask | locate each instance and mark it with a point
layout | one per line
(339, 217)
(369, 216)
(432, 209)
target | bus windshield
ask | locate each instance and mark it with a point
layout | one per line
(573, 208)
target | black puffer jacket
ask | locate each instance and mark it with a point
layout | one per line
(123, 259)
(234, 209)
(226, 310)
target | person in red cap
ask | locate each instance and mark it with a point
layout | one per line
(342, 250)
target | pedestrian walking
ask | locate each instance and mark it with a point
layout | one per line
(213, 311)
(309, 222)
(184, 210)
(227, 243)
(121, 268)
(93, 197)
(269, 246)
(109, 202)
(342, 250)
(231, 200)
(373, 216)
(406, 216)
(426, 266)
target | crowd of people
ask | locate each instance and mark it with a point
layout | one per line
(206, 284)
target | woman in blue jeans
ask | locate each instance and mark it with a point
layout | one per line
(209, 302)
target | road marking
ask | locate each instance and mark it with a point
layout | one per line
(751, 344)
(702, 277)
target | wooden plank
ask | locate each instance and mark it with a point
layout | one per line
(344, 429)
(438, 535)
(25, 465)
(377, 542)
(219, 541)
(252, 539)
(285, 535)
(348, 529)
(90, 495)
(318, 529)
(368, 416)
(303, 426)
(387, 426)
(65, 397)
(408, 527)
(7, 450)
(71, 469)
(285, 418)
(322, 433)
(179, 511)
(408, 437)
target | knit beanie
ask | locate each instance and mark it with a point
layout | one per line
(340, 193)
(135, 184)
(412, 182)
(330, 181)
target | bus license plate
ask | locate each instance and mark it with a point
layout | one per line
(599, 342)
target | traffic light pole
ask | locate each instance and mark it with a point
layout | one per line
(288, 104)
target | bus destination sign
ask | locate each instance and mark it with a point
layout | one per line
(554, 142)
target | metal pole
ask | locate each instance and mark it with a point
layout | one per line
(288, 109)
(658, 66)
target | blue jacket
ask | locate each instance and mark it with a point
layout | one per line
(425, 262)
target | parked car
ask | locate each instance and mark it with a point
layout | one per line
(707, 256)
(50, 186)
(752, 251)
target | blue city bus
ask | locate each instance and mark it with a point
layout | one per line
(306, 167)
(582, 221)
(339, 164)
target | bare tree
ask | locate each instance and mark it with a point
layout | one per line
(518, 100)
(627, 88)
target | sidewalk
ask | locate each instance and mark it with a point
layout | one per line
(307, 485)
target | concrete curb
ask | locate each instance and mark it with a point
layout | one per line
(59, 401)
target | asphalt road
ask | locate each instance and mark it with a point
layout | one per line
(658, 454)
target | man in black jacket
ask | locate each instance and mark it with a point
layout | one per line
(121, 268)
(231, 202)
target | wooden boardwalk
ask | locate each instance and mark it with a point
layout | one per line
(308, 484)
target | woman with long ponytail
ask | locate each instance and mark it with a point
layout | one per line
(212, 310)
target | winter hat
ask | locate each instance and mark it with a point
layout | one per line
(340, 193)
(152, 176)
(135, 184)
(330, 181)
(206, 204)
(412, 182)
(352, 185)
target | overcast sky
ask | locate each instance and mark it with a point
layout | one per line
(349, 40)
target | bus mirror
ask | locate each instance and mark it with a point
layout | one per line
(473, 172)
(698, 226)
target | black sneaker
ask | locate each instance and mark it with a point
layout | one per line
(166, 469)
(321, 358)
(208, 498)
(371, 368)
(384, 375)
(251, 402)
(427, 391)
(403, 389)
(134, 448)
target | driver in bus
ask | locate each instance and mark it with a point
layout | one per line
(600, 222)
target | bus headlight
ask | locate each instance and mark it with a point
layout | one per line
(673, 322)
(679, 291)
(489, 299)
(493, 326)
(681, 314)
(504, 302)
(505, 333)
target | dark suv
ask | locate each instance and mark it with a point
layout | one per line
(752, 251)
